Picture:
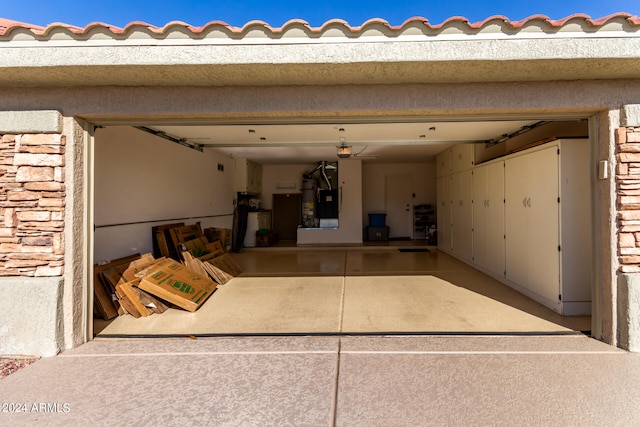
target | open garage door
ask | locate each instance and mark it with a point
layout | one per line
(151, 176)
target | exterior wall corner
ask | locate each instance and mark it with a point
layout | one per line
(629, 311)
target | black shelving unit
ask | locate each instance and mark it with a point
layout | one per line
(424, 219)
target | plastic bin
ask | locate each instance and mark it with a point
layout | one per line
(377, 219)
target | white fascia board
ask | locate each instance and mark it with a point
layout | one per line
(516, 49)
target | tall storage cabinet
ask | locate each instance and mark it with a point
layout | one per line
(529, 225)
(532, 222)
(547, 223)
(443, 213)
(455, 197)
(488, 218)
(462, 214)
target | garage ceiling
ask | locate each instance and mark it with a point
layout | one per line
(309, 143)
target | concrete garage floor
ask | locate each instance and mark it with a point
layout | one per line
(341, 380)
(360, 290)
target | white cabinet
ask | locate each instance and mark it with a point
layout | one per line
(443, 213)
(529, 223)
(488, 218)
(532, 224)
(455, 159)
(454, 198)
(547, 224)
(462, 157)
(248, 177)
(443, 163)
(462, 214)
(255, 222)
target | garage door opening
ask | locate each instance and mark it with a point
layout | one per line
(350, 281)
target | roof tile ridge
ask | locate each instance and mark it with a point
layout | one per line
(633, 19)
(7, 25)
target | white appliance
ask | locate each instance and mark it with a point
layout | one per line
(256, 221)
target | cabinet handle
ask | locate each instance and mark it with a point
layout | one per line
(524, 202)
(488, 203)
(529, 202)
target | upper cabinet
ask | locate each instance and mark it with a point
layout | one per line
(248, 177)
(458, 158)
(462, 157)
(443, 163)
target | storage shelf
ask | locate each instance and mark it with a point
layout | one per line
(423, 219)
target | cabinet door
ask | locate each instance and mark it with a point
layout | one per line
(516, 228)
(462, 214)
(543, 221)
(488, 217)
(256, 178)
(444, 213)
(443, 163)
(462, 157)
(480, 215)
(495, 225)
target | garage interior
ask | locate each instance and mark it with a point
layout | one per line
(324, 279)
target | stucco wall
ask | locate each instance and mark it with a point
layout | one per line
(142, 180)
(32, 233)
(148, 105)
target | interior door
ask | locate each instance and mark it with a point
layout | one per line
(286, 215)
(398, 202)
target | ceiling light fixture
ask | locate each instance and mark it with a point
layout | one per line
(344, 151)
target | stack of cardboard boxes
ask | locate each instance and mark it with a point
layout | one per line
(184, 273)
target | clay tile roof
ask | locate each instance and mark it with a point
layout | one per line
(7, 25)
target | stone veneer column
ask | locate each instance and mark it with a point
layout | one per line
(32, 208)
(628, 224)
(32, 205)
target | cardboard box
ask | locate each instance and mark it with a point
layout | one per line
(222, 234)
(174, 282)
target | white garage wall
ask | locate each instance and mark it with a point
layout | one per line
(142, 180)
(272, 175)
(373, 184)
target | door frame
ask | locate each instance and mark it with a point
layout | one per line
(409, 189)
